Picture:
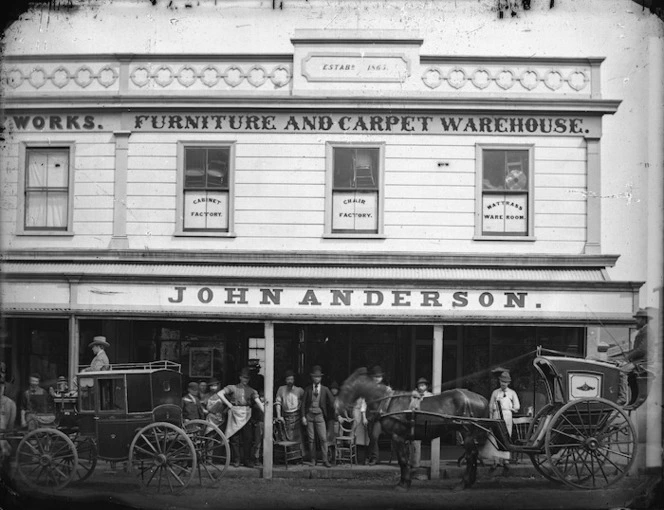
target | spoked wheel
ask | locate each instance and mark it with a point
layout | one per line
(540, 461)
(212, 452)
(86, 447)
(46, 459)
(163, 458)
(590, 443)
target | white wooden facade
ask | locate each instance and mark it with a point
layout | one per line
(583, 260)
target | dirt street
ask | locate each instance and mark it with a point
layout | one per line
(100, 493)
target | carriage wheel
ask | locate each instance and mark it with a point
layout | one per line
(590, 443)
(86, 447)
(163, 458)
(212, 452)
(540, 461)
(46, 459)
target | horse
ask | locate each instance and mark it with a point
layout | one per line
(457, 402)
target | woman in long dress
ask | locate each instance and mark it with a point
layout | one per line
(503, 403)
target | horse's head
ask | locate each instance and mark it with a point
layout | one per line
(359, 384)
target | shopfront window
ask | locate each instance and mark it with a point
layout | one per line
(46, 190)
(356, 190)
(206, 196)
(505, 189)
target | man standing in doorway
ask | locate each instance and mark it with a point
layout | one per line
(317, 408)
(239, 398)
(288, 406)
(374, 422)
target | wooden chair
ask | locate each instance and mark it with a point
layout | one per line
(285, 450)
(362, 170)
(344, 444)
(520, 434)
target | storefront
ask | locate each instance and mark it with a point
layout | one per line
(235, 207)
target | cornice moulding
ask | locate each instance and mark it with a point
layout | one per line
(317, 258)
(115, 102)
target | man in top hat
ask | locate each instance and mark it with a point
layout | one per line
(239, 399)
(100, 361)
(374, 426)
(287, 407)
(421, 390)
(317, 409)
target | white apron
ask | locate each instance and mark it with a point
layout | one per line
(238, 417)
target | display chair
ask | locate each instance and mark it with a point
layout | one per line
(285, 450)
(363, 175)
(344, 444)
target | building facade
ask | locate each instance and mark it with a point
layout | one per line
(438, 192)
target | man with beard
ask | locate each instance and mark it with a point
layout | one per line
(287, 407)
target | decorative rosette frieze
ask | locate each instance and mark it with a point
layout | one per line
(39, 76)
(210, 75)
(506, 79)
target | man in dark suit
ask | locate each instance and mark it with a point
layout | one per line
(317, 408)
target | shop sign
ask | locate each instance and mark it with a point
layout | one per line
(206, 210)
(316, 122)
(355, 67)
(504, 213)
(354, 211)
(351, 301)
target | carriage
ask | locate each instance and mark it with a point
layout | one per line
(583, 437)
(131, 414)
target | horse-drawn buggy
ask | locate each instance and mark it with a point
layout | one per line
(130, 414)
(583, 437)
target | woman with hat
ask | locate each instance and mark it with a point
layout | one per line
(503, 403)
(100, 361)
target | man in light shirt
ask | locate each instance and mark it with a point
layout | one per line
(287, 408)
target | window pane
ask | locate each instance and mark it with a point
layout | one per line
(56, 210)
(355, 168)
(35, 209)
(217, 168)
(502, 213)
(206, 210)
(58, 170)
(505, 170)
(194, 168)
(37, 164)
(355, 211)
(112, 395)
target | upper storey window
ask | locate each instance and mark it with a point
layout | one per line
(356, 190)
(46, 190)
(506, 192)
(206, 189)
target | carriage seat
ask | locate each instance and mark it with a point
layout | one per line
(169, 413)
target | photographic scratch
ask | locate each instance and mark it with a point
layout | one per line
(105, 292)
